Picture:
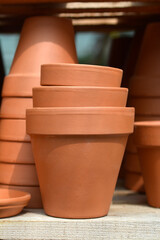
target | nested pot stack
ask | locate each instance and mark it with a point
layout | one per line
(79, 128)
(43, 40)
(145, 89)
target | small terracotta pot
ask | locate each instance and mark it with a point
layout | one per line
(43, 40)
(134, 181)
(16, 152)
(35, 201)
(145, 81)
(15, 107)
(148, 144)
(146, 106)
(79, 97)
(13, 130)
(12, 202)
(80, 75)
(18, 174)
(132, 163)
(78, 153)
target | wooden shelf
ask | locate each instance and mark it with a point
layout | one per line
(129, 218)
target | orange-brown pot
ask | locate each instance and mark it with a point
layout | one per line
(18, 174)
(79, 97)
(16, 152)
(15, 107)
(134, 181)
(78, 153)
(132, 163)
(80, 75)
(44, 40)
(148, 144)
(13, 130)
(35, 201)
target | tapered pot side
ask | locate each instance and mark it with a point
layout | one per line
(80, 75)
(134, 181)
(43, 40)
(35, 201)
(18, 174)
(78, 169)
(79, 96)
(132, 163)
(148, 145)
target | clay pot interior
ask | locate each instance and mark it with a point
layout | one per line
(12, 202)
(79, 96)
(80, 75)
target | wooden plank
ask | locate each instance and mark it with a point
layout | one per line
(129, 218)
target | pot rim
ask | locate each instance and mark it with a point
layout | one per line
(79, 120)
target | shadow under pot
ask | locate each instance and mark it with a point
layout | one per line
(13, 130)
(35, 201)
(78, 153)
(80, 75)
(147, 140)
(79, 97)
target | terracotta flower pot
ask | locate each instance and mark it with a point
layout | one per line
(35, 201)
(12, 202)
(13, 130)
(18, 174)
(78, 153)
(148, 144)
(145, 81)
(131, 147)
(16, 152)
(134, 181)
(79, 97)
(146, 106)
(44, 40)
(132, 163)
(15, 107)
(80, 75)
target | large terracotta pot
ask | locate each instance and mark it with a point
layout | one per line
(145, 81)
(16, 152)
(18, 174)
(13, 130)
(12, 202)
(79, 97)
(15, 107)
(78, 153)
(43, 40)
(80, 75)
(148, 144)
(35, 201)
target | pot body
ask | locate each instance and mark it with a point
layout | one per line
(132, 163)
(78, 174)
(134, 181)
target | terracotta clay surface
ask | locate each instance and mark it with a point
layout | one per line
(78, 167)
(12, 202)
(16, 152)
(145, 106)
(80, 120)
(43, 40)
(132, 163)
(79, 97)
(18, 174)
(15, 107)
(131, 147)
(134, 181)
(145, 81)
(35, 201)
(13, 130)
(80, 75)
(148, 144)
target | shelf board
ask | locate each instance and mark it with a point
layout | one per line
(129, 218)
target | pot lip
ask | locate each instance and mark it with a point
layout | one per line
(79, 67)
(73, 88)
(78, 110)
(14, 201)
(153, 124)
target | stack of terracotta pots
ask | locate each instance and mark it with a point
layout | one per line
(79, 128)
(43, 40)
(145, 97)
